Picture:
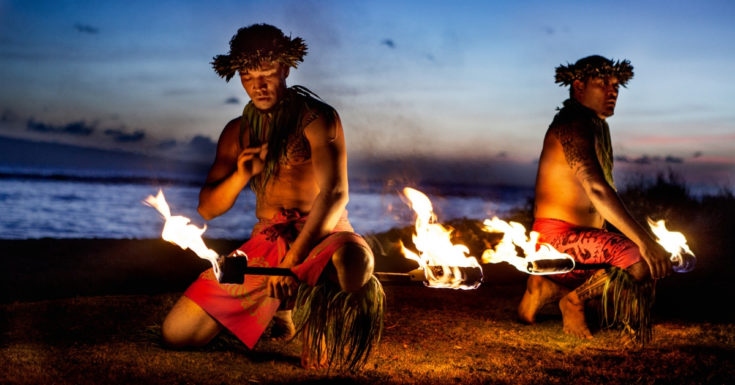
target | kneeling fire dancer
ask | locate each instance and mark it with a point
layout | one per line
(575, 197)
(289, 147)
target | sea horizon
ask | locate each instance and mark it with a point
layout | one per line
(69, 203)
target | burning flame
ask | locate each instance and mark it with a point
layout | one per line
(435, 247)
(675, 243)
(514, 236)
(179, 231)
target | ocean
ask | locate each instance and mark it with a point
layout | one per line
(68, 205)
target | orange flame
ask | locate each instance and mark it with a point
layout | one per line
(435, 247)
(514, 235)
(675, 243)
(179, 231)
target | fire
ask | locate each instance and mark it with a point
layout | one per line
(435, 247)
(540, 259)
(179, 231)
(675, 243)
(436, 250)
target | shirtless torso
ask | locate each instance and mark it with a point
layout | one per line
(576, 153)
(294, 184)
(559, 195)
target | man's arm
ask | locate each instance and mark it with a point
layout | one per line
(579, 150)
(230, 172)
(329, 160)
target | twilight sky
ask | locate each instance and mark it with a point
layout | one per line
(438, 79)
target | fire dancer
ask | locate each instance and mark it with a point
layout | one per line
(289, 147)
(575, 197)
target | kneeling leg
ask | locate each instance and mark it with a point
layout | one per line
(187, 324)
(353, 264)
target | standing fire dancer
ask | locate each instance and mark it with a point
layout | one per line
(575, 197)
(289, 147)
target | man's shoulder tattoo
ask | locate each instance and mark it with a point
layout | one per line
(310, 117)
(298, 150)
(575, 140)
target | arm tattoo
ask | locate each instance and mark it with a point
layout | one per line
(578, 144)
(309, 118)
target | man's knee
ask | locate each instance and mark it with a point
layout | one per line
(187, 324)
(354, 264)
(639, 271)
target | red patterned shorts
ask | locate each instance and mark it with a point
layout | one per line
(585, 245)
(247, 309)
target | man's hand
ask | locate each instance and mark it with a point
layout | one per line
(658, 259)
(282, 287)
(251, 160)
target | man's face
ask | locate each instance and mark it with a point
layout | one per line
(598, 94)
(266, 84)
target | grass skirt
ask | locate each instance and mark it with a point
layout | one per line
(349, 324)
(628, 303)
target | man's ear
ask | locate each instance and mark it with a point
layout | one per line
(577, 86)
(286, 70)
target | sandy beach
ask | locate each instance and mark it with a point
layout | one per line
(88, 311)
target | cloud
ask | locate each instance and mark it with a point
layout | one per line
(125, 137)
(232, 100)
(203, 145)
(167, 144)
(79, 128)
(687, 140)
(388, 43)
(412, 170)
(86, 28)
(645, 159)
(9, 116)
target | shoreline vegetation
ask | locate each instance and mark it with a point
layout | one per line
(87, 311)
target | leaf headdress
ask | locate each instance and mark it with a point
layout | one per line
(257, 44)
(594, 66)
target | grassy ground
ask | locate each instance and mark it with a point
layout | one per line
(431, 336)
(96, 333)
(89, 311)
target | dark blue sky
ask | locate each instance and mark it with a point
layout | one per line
(426, 78)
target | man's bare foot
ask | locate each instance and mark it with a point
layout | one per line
(572, 312)
(283, 328)
(308, 357)
(540, 291)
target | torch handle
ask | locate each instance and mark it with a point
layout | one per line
(392, 277)
(590, 266)
(234, 269)
(282, 271)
